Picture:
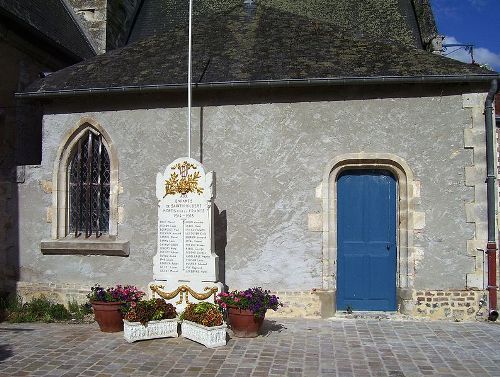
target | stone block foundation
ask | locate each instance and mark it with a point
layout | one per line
(452, 304)
(59, 293)
(432, 304)
(303, 304)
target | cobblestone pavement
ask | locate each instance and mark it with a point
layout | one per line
(289, 347)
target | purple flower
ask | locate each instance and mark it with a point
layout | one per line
(255, 299)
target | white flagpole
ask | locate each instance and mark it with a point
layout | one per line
(189, 78)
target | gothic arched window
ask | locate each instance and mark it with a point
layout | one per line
(89, 187)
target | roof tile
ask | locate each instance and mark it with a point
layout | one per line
(271, 45)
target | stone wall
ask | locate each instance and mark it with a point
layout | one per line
(61, 293)
(92, 14)
(306, 304)
(270, 158)
(454, 304)
(108, 22)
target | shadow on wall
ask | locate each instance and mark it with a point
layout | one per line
(220, 237)
(20, 145)
(10, 179)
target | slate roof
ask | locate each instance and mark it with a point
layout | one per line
(52, 21)
(237, 46)
(384, 20)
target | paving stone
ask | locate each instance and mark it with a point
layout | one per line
(302, 348)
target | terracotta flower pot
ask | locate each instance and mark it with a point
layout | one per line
(108, 316)
(243, 323)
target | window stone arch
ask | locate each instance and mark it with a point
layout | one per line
(62, 242)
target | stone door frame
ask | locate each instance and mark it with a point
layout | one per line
(404, 221)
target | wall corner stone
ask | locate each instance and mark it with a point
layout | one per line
(315, 222)
(475, 176)
(418, 220)
(49, 215)
(121, 215)
(319, 191)
(46, 186)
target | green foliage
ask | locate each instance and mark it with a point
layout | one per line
(150, 310)
(11, 302)
(79, 311)
(39, 309)
(204, 313)
(203, 307)
(58, 312)
(13, 308)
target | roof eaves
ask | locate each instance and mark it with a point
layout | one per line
(337, 81)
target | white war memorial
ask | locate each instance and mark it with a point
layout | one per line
(185, 267)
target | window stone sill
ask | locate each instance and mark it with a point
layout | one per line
(103, 245)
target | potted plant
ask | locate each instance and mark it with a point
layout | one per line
(150, 319)
(109, 304)
(203, 323)
(246, 309)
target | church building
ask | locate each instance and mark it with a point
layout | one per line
(350, 157)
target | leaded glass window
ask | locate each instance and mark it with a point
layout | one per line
(89, 176)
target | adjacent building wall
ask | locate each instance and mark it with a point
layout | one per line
(270, 160)
(21, 62)
(108, 22)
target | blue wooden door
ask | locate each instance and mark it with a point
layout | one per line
(366, 240)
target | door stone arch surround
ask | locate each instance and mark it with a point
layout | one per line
(405, 222)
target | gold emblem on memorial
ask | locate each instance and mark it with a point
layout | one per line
(183, 182)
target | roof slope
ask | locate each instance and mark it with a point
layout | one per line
(52, 20)
(383, 20)
(241, 46)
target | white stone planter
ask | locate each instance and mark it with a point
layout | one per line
(210, 337)
(134, 331)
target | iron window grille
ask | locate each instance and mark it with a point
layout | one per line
(89, 177)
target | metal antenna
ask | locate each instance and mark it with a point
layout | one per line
(467, 47)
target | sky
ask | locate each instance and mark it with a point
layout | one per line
(474, 22)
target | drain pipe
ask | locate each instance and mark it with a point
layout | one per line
(491, 247)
